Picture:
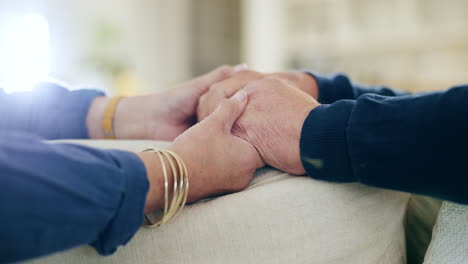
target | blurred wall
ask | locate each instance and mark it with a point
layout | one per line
(150, 38)
(215, 33)
(415, 45)
(264, 39)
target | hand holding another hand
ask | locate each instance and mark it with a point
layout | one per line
(160, 116)
(218, 162)
(229, 86)
(272, 122)
(220, 153)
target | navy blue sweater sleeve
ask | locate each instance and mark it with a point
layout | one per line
(58, 196)
(50, 111)
(338, 87)
(413, 143)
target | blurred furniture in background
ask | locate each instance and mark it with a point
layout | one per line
(449, 242)
(215, 34)
(416, 45)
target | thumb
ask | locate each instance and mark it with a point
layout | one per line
(229, 110)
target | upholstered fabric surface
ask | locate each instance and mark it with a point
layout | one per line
(278, 219)
(421, 215)
(450, 236)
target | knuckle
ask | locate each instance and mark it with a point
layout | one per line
(250, 74)
(257, 86)
(224, 70)
(214, 88)
(290, 76)
(204, 102)
(267, 84)
(218, 90)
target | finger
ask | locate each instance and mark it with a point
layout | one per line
(239, 68)
(230, 86)
(229, 110)
(210, 101)
(217, 75)
(224, 89)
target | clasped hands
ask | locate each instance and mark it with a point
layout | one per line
(224, 125)
(246, 120)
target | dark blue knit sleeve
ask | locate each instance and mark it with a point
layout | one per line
(50, 111)
(412, 143)
(338, 87)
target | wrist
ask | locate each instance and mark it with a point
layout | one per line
(200, 187)
(154, 172)
(94, 117)
(130, 118)
(310, 84)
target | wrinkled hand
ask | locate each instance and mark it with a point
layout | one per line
(272, 122)
(218, 162)
(226, 88)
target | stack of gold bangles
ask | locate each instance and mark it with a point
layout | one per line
(180, 191)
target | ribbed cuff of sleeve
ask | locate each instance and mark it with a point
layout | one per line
(333, 88)
(129, 216)
(323, 145)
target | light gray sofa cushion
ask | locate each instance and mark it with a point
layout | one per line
(450, 236)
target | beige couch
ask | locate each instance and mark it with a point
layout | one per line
(278, 219)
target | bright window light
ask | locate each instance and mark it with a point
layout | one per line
(24, 52)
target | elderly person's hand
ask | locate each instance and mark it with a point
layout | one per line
(161, 116)
(217, 161)
(226, 88)
(272, 122)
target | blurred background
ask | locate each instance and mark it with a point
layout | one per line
(139, 46)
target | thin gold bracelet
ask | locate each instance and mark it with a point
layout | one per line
(162, 219)
(175, 194)
(180, 187)
(184, 187)
(179, 202)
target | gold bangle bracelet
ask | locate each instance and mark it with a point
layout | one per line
(185, 179)
(179, 201)
(180, 187)
(108, 117)
(162, 219)
(175, 192)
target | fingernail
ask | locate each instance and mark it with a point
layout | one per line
(240, 96)
(239, 68)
